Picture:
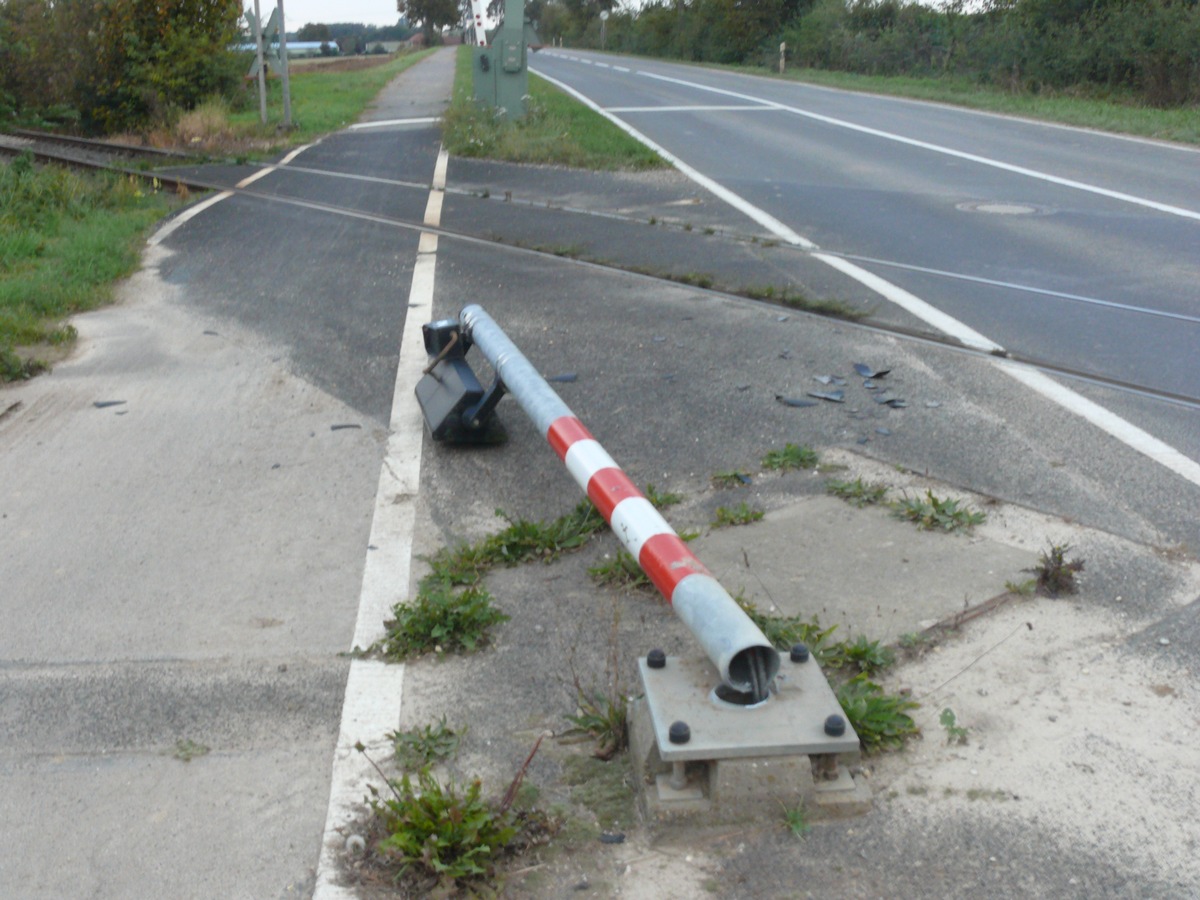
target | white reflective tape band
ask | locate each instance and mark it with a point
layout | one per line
(586, 458)
(635, 521)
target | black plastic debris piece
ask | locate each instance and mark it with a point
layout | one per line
(659, 339)
(211, 333)
(863, 440)
(831, 396)
(798, 402)
(785, 354)
(896, 403)
(870, 385)
(564, 378)
(830, 379)
(745, 387)
(105, 404)
(884, 431)
(612, 837)
(343, 427)
(867, 372)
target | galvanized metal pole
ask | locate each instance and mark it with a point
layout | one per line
(283, 69)
(258, 57)
(743, 656)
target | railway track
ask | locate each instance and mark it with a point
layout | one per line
(84, 153)
(89, 154)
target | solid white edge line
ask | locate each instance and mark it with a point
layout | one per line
(374, 690)
(1109, 422)
(190, 213)
(1106, 420)
(753, 212)
(946, 151)
(746, 107)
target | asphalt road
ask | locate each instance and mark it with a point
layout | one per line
(182, 570)
(1065, 246)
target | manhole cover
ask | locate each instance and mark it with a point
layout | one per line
(1001, 208)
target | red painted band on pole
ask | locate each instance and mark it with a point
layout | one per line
(607, 488)
(564, 432)
(666, 560)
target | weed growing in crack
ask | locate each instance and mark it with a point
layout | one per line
(955, 733)
(1055, 573)
(795, 819)
(419, 748)
(619, 570)
(662, 499)
(520, 542)
(1023, 588)
(442, 620)
(441, 838)
(792, 456)
(937, 513)
(867, 656)
(603, 717)
(731, 479)
(880, 719)
(858, 493)
(741, 514)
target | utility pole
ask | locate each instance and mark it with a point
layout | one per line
(283, 69)
(258, 57)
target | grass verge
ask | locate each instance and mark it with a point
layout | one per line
(324, 99)
(1116, 113)
(557, 130)
(65, 237)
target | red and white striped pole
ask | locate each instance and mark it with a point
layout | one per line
(744, 657)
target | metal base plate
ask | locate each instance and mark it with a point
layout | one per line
(790, 723)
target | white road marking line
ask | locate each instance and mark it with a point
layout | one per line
(753, 212)
(168, 229)
(946, 151)
(287, 159)
(749, 107)
(620, 69)
(371, 707)
(911, 303)
(1025, 288)
(250, 179)
(190, 213)
(1107, 421)
(387, 123)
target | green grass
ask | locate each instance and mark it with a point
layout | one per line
(792, 456)
(65, 237)
(857, 492)
(322, 100)
(937, 513)
(742, 514)
(557, 130)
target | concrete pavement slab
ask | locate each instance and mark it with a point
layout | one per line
(860, 570)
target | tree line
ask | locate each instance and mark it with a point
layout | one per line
(106, 66)
(1146, 50)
